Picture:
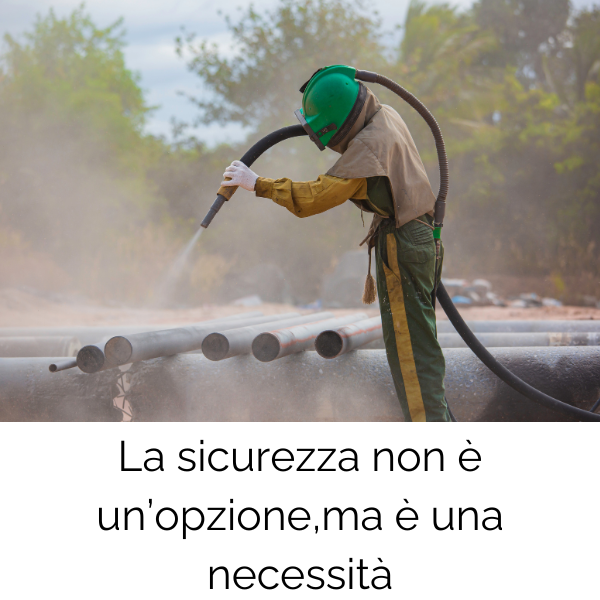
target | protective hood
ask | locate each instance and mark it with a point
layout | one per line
(379, 144)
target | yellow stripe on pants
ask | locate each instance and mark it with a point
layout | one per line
(393, 280)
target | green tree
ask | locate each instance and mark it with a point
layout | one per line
(574, 59)
(74, 160)
(440, 60)
(530, 193)
(275, 53)
(523, 28)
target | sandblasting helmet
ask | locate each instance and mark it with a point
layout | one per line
(331, 102)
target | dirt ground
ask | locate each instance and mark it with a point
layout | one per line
(20, 308)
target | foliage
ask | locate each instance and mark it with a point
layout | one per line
(524, 29)
(258, 87)
(536, 180)
(69, 71)
(514, 84)
(74, 160)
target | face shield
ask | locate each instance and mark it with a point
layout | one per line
(315, 136)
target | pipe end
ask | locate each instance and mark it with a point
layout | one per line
(118, 350)
(215, 346)
(329, 344)
(90, 359)
(266, 347)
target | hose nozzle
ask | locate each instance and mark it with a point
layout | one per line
(213, 210)
(224, 194)
(259, 148)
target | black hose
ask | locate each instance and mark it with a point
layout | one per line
(501, 371)
(280, 135)
(285, 133)
(439, 210)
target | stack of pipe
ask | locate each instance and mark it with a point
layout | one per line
(125, 349)
(272, 337)
(357, 386)
(492, 334)
(268, 338)
(225, 344)
(272, 345)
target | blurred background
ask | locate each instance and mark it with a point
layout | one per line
(118, 119)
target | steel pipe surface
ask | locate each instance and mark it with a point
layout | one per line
(121, 350)
(335, 342)
(519, 340)
(30, 346)
(583, 326)
(225, 344)
(358, 386)
(302, 387)
(272, 345)
(90, 335)
(29, 392)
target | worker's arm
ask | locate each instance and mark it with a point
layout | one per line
(302, 198)
(307, 198)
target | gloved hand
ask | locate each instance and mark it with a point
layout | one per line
(239, 174)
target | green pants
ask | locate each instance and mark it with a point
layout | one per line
(405, 260)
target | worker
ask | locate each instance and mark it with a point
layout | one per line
(380, 171)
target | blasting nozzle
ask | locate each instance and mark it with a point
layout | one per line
(213, 210)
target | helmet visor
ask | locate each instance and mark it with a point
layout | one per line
(315, 136)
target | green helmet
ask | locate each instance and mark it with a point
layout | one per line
(331, 102)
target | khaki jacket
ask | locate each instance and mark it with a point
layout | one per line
(380, 144)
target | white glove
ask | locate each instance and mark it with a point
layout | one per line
(240, 175)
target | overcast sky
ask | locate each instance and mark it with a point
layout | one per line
(151, 28)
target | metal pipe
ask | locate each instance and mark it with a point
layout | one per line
(271, 345)
(356, 387)
(225, 344)
(29, 392)
(62, 365)
(302, 387)
(519, 340)
(90, 335)
(335, 342)
(29, 346)
(121, 350)
(92, 358)
(583, 326)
